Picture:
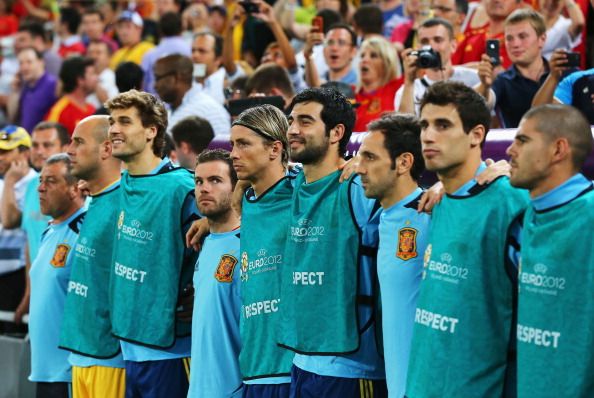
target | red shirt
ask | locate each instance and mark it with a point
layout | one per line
(68, 113)
(372, 105)
(9, 24)
(474, 45)
(77, 48)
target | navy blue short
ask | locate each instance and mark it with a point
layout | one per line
(310, 385)
(155, 379)
(266, 390)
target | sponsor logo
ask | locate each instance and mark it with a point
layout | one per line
(306, 232)
(60, 254)
(224, 272)
(133, 231)
(445, 269)
(407, 243)
(539, 280)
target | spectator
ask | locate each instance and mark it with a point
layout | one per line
(438, 34)
(392, 13)
(100, 52)
(575, 89)
(340, 48)
(79, 79)
(93, 28)
(217, 19)
(270, 79)
(129, 29)
(173, 83)
(453, 11)
(281, 53)
(562, 33)
(33, 35)
(207, 51)
(44, 11)
(70, 43)
(368, 21)
(513, 90)
(191, 136)
(477, 32)
(15, 144)
(171, 43)
(404, 34)
(9, 23)
(379, 79)
(37, 91)
(129, 76)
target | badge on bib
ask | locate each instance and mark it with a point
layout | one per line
(59, 258)
(224, 272)
(407, 243)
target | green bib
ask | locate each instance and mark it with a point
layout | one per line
(319, 288)
(555, 303)
(463, 320)
(86, 325)
(264, 224)
(148, 254)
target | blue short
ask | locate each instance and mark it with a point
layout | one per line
(305, 384)
(266, 390)
(155, 379)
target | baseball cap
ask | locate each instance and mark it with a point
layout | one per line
(131, 16)
(12, 137)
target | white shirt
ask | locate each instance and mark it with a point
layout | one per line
(107, 81)
(197, 102)
(558, 37)
(461, 74)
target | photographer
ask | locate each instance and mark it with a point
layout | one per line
(512, 91)
(436, 35)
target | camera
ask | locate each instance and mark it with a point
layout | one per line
(427, 58)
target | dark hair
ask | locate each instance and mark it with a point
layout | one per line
(180, 64)
(402, 133)
(71, 17)
(469, 104)
(170, 24)
(269, 76)
(72, 69)
(432, 22)
(369, 19)
(336, 109)
(35, 29)
(66, 161)
(194, 130)
(462, 6)
(150, 109)
(37, 53)
(61, 130)
(556, 121)
(216, 9)
(128, 76)
(101, 41)
(330, 17)
(93, 11)
(218, 42)
(347, 27)
(212, 155)
(169, 145)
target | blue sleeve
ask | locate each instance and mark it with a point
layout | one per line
(563, 92)
(189, 213)
(363, 207)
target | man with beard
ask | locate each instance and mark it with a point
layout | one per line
(217, 306)
(327, 288)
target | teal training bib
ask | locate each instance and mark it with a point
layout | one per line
(555, 303)
(319, 286)
(148, 254)
(86, 326)
(265, 221)
(463, 319)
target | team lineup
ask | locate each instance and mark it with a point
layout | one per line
(279, 269)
